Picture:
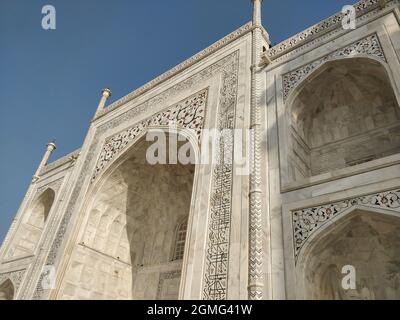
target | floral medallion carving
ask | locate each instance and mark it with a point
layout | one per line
(368, 46)
(307, 221)
(188, 114)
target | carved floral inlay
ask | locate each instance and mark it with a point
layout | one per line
(188, 114)
(367, 46)
(308, 221)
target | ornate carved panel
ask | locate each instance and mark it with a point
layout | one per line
(307, 221)
(368, 46)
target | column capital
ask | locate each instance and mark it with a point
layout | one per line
(106, 92)
(51, 146)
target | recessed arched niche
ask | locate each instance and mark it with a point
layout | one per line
(344, 114)
(368, 242)
(30, 230)
(7, 290)
(133, 241)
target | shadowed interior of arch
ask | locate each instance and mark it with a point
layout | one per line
(367, 241)
(7, 290)
(344, 115)
(128, 249)
(31, 228)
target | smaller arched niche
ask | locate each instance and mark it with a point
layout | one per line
(30, 230)
(367, 241)
(344, 114)
(7, 290)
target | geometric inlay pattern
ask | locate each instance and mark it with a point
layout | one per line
(307, 221)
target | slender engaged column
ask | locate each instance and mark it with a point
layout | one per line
(256, 277)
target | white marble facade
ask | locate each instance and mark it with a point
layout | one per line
(325, 191)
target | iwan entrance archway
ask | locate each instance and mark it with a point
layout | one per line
(132, 242)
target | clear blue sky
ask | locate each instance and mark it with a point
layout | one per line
(50, 81)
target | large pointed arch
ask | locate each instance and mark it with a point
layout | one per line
(364, 238)
(30, 229)
(7, 290)
(131, 213)
(344, 113)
